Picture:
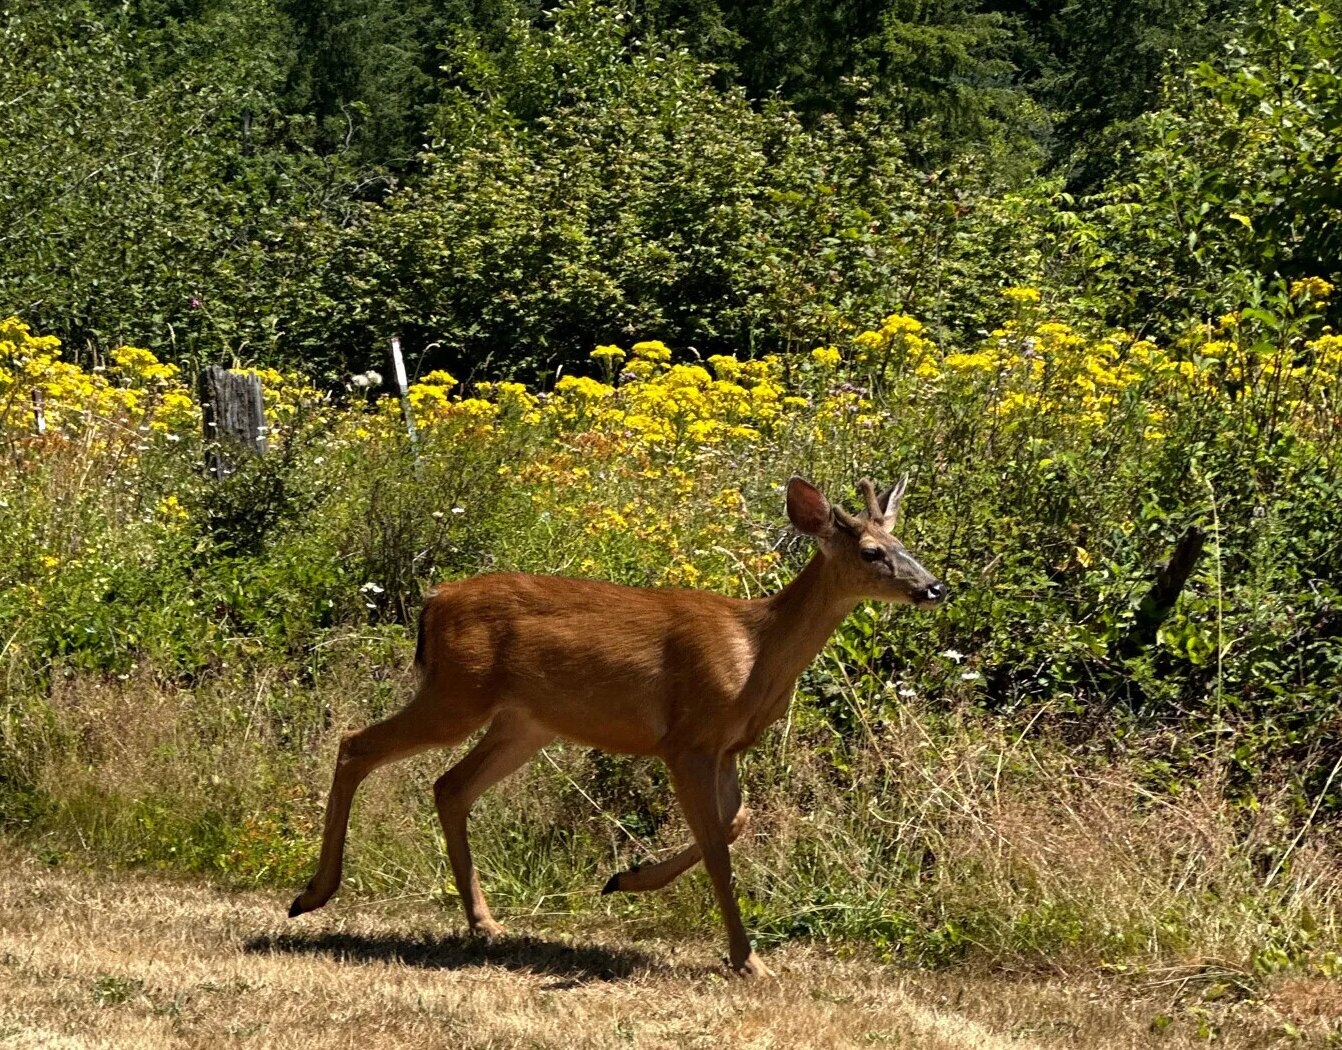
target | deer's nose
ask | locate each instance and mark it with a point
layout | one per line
(935, 592)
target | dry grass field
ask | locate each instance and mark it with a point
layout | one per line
(96, 958)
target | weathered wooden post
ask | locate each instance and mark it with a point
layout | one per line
(233, 415)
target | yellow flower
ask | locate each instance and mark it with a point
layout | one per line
(826, 356)
(1315, 289)
(681, 574)
(977, 362)
(608, 353)
(136, 363)
(170, 509)
(704, 431)
(583, 388)
(901, 324)
(475, 409)
(439, 378)
(1021, 295)
(725, 367)
(652, 350)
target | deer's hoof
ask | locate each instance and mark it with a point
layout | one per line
(487, 930)
(612, 885)
(297, 908)
(752, 967)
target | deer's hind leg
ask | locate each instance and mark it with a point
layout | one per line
(427, 721)
(510, 741)
(735, 817)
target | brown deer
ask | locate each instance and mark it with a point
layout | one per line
(689, 676)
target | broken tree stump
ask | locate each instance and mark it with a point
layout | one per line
(1158, 602)
(233, 416)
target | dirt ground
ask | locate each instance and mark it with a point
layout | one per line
(121, 960)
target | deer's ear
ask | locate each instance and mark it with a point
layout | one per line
(807, 508)
(891, 498)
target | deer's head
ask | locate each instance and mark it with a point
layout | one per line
(867, 558)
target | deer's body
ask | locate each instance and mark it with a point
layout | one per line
(690, 677)
(643, 681)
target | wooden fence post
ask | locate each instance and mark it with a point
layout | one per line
(233, 415)
(403, 388)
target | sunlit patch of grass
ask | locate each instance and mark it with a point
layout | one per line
(116, 958)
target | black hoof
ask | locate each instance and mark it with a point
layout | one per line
(296, 909)
(612, 886)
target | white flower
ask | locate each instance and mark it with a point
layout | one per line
(371, 588)
(458, 510)
(970, 676)
(906, 691)
(953, 654)
(437, 515)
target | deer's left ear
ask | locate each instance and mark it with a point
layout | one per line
(890, 499)
(807, 508)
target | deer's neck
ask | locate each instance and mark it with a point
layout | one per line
(798, 621)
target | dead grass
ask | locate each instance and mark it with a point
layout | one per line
(941, 837)
(108, 959)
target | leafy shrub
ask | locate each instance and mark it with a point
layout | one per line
(1231, 184)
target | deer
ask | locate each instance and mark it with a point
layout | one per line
(691, 677)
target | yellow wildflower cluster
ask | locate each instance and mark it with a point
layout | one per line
(1048, 369)
(134, 391)
(287, 395)
(1326, 359)
(897, 348)
(1021, 296)
(1300, 380)
(1032, 368)
(656, 404)
(1313, 289)
(826, 356)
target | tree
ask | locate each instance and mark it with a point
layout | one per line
(1234, 181)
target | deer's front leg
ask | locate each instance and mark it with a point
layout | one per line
(696, 778)
(734, 816)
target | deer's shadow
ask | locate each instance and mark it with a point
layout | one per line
(572, 964)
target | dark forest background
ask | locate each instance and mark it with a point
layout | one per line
(507, 184)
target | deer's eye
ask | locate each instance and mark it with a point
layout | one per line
(872, 554)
